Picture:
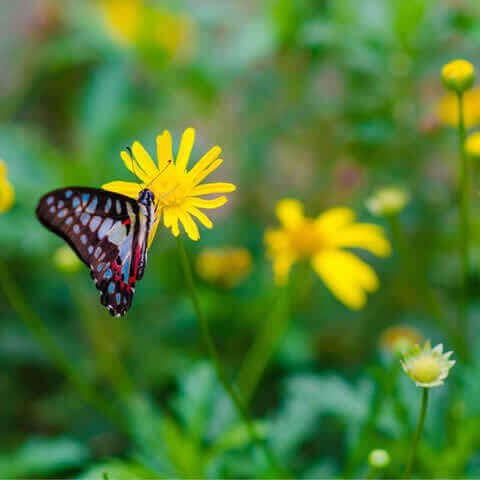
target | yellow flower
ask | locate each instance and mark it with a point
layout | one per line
(427, 367)
(124, 19)
(400, 339)
(458, 75)
(177, 191)
(7, 195)
(322, 241)
(387, 201)
(447, 109)
(225, 266)
(132, 22)
(472, 144)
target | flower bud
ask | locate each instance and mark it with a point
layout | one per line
(379, 458)
(458, 75)
(66, 261)
(387, 201)
(427, 367)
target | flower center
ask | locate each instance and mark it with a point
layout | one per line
(169, 191)
(425, 369)
(306, 240)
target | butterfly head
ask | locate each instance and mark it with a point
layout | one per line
(146, 197)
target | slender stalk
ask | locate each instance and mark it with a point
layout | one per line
(464, 214)
(418, 433)
(263, 347)
(50, 346)
(222, 376)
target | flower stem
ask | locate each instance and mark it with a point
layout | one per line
(263, 348)
(50, 346)
(464, 214)
(207, 338)
(418, 433)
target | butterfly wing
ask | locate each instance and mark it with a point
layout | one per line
(102, 228)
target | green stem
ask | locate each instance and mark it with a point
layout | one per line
(222, 376)
(464, 214)
(418, 433)
(47, 341)
(263, 347)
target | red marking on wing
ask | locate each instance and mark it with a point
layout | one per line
(127, 221)
(133, 278)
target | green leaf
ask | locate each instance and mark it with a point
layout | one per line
(44, 456)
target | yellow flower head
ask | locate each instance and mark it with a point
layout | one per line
(400, 339)
(447, 109)
(134, 21)
(387, 201)
(7, 195)
(177, 191)
(224, 266)
(323, 241)
(458, 75)
(124, 19)
(472, 144)
(427, 367)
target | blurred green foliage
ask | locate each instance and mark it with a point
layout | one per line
(320, 100)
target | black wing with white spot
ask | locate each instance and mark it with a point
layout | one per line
(101, 227)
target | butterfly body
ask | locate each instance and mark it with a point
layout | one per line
(108, 231)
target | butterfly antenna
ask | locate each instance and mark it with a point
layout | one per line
(169, 162)
(129, 151)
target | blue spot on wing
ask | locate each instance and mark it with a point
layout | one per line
(85, 198)
(75, 202)
(68, 193)
(92, 206)
(111, 287)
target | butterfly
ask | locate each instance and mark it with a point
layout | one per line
(108, 231)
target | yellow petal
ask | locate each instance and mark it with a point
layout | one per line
(205, 161)
(363, 235)
(133, 166)
(170, 220)
(334, 218)
(208, 203)
(204, 220)
(290, 213)
(153, 232)
(144, 160)
(164, 149)
(282, 265)
(3, 169)
(7, 196)
(212, 188)
(130, 189)
(346, 276)
(189, 225)
(205, 173)
(186, 145)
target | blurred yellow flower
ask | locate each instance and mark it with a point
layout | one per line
(7, 195)
(66, 260)
(472, 144)
(135, 21)
(427, 367)
(458, 75)
(177, 191)
(123, 18)
(400, 339)
(224, 266)
(322, 241)
(387, 201)
(447, 109)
